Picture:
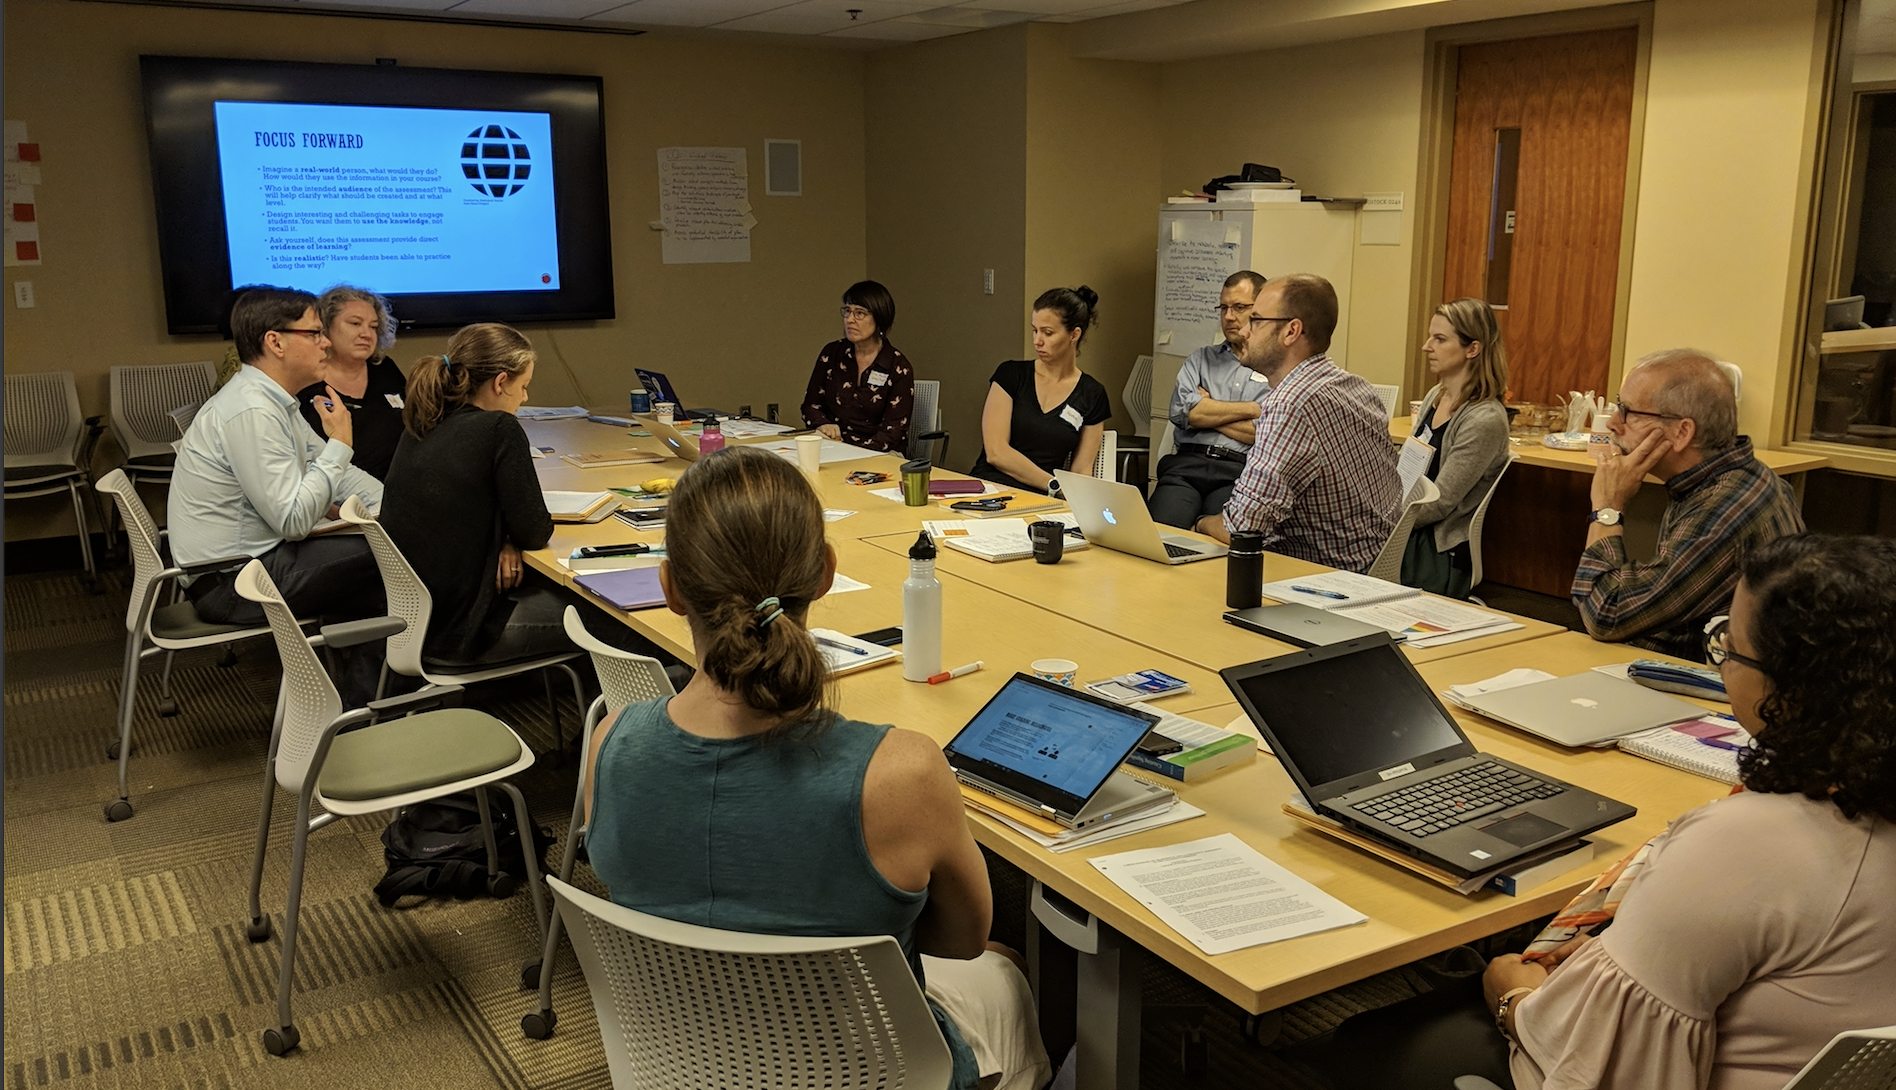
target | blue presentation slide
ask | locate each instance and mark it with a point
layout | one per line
(1067, 743)
(393, 199)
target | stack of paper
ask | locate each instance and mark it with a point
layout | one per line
(1426, 621)
(1336, 590)
(550, 412)
(996, 540)
(833, 450)
(739, 428)
(1055, 837)
(1459, 695)
(576, 506)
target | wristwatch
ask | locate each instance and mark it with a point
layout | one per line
(1053, 486)
(1605, 516)
(1503, 1006)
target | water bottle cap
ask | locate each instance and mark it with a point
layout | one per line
(924, 547)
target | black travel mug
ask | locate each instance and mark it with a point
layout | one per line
(1049, 538)
(1244, 570)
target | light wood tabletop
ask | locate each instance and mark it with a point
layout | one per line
(1535, 453)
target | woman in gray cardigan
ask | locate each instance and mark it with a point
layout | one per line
(1463, 419)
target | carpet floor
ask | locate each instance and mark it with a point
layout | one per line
(126, 964)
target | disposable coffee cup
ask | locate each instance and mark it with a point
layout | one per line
(810, 453)
(914, 482)
(1059, 671)
(664, 410)
(1049, 540)
(641, 401)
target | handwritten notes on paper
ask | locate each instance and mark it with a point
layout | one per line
(1195, 257)
(704, 205)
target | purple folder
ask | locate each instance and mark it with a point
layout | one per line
(631, 588)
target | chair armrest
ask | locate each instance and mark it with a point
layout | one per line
(415, 701)
(932, 435)
(351, 633)
(202, 566)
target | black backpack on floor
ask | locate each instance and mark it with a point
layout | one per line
(435, 849)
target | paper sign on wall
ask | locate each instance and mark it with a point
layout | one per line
(704, 205)
(20, 213)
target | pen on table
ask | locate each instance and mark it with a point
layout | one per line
(1321, 593)
(841, 646)
(956, 672)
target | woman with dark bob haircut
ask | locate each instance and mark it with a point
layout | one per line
(862, 389)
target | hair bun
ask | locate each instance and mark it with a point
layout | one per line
(1087, 295)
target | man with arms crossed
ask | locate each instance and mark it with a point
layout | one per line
(1214, 434)
(1677, 419)
(252, 479)
(1321, 482)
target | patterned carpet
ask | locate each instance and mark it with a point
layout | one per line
(125, 959)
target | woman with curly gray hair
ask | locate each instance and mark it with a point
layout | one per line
(361, 331)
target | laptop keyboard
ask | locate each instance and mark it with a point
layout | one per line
(1438, 804)
(1177, 550)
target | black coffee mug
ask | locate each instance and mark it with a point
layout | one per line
(1049, 540)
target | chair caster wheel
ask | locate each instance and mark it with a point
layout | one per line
(258, 930)
(168, 706)
(530, 975)
(112, 752)
(539, 1025)
(118, 810)
(278, 1041)
(501, 886)
(227, 660)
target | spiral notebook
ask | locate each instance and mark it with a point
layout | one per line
(1707, 746)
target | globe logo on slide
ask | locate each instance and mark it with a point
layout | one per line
(496, 160)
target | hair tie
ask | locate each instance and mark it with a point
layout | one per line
(774, 608)
(446, 363)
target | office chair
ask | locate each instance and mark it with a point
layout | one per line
(1863, 1059)
(1388, 563)
(1388, 395)
(143, 402)
(1137, 397)
(624, 678)
(1105, 461)
(1481, 519)
(680, 1004)
(409, 600)
(348, 764)
(926, 439)
(49, 446)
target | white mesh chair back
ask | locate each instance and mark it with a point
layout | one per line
(687, 1006)
(1388, 563)
(310, 702)
(182, 416)
(1108, 456)
(624, 677)
(1863, 1059)
(1388, 395)
(1481, 519)
(43, 419)
(1138, 395)
(1168, 444)
(926, 416)
(142, 531)
(408, 597)
(143, 399)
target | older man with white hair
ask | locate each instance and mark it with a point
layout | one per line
(1678, 419)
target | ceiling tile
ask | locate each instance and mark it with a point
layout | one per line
(384, 5)
(695, 13)
(971, 18)
(826, 16)
(897, 30)
(1111, 9)
(542, 9)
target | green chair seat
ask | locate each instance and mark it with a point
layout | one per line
(180, 621)
(419, 751)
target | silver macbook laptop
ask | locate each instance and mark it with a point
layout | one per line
(677, 442)
(1370, 746)
(1115, 515)
(1590, 709)
(1055, 751)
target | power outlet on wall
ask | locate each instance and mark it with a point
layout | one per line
(23, 294)
(987, 281)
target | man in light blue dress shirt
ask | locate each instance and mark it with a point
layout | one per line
(252, 479)
(1214, 407)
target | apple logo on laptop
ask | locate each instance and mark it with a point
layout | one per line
(1584, 702)
(1110, 520)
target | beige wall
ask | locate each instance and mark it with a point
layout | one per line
(947, 177)
(725, 333)
(1344, 119)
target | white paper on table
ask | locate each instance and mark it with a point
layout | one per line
(1243, 725)
(740, 428)
(833, 450)
(1221, 894)
(1343, 590)
(1413, 465)
(1460, 694)
(843, 584)
(1422, 617)
(1470, 634)
(1617, 669)
(551, 412)
(835, 514)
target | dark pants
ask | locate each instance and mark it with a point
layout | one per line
(1192, 485)
(329, 577)
(1422, 1043)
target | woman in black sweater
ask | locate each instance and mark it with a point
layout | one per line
(462, 500)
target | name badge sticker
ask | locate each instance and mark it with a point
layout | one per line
(1256, 377)
(394, 400)
(1072, 416)
(877, 378)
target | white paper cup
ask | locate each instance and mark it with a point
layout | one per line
(664, 411)
(810, 452)
(1058, 671)
(1415, 407)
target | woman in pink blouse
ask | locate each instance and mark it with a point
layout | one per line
(1764, 923)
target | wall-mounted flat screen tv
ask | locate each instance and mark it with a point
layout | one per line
(462, 196)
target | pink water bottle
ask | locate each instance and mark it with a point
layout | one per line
(712, 439)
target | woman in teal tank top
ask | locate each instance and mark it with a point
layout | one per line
(744, 803)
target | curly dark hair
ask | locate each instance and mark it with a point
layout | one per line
(1825, 631)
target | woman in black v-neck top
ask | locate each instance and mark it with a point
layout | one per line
(1022, 443)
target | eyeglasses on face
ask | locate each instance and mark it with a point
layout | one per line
(1622, 411)
(1718, 645)
(855, 312)
(312, 334)
(1257, 321)
(1233, 308)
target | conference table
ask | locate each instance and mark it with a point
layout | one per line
(1113, 613)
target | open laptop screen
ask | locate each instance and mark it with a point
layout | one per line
(1048, 742)
(1338, 716)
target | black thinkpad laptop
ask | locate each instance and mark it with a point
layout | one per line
(1370, 746)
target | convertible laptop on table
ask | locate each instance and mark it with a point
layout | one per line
(1370, 746)
(1115, 515)
(1055, 751)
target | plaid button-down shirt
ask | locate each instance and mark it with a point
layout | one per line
(1321, 482)
(1721, 508)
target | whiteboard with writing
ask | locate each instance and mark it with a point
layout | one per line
(1195, 257)
(704, 205)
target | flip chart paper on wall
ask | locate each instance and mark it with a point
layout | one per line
(1196, 259)
(704, 205)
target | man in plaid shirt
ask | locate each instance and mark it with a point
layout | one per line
(1677, 418)
(1320, 483)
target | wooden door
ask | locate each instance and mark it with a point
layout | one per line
(1556, 114)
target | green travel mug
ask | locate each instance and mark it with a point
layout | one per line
(915, 482)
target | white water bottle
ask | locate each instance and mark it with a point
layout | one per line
(921, 613)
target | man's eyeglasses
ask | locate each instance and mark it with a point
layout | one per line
(1255, 320)
(312, 334)
(1233, 308)
(1622, 411)
(855, 312)
(1718, 645)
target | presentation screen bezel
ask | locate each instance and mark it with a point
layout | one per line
(193, 247)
